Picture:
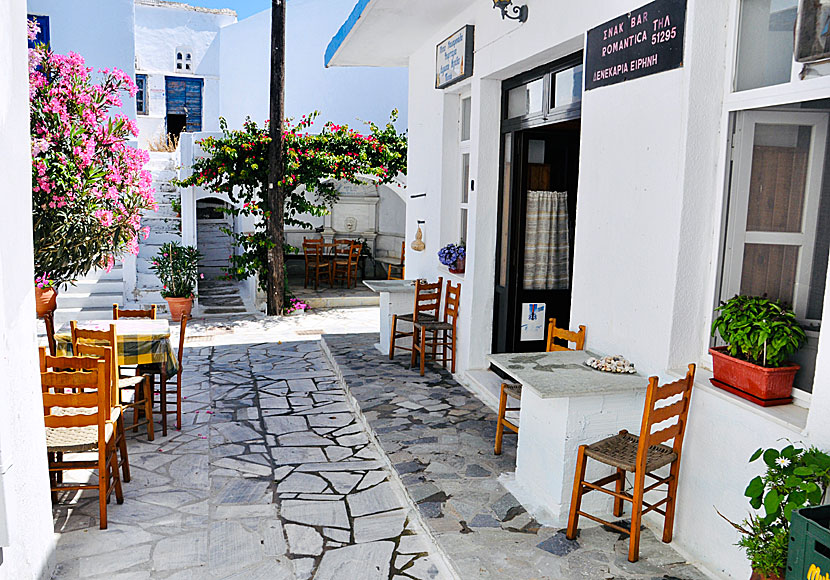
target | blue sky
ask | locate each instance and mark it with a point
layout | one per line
(245, 8)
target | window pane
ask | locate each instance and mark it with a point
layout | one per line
(466, 107)
(525, 99)
(567, 87)
(779, 177)
(769, 269)
(462, 234)
(765, 43)
(505, 207)
(465, 178)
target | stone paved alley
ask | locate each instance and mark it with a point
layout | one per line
(276, 474)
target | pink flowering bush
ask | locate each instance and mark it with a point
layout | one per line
(89, 187)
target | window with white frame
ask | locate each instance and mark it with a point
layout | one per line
(464, 151)
(779, 194)
(765, 43)
(141, 94)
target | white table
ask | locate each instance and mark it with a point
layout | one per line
(396, 297)
(565, 403)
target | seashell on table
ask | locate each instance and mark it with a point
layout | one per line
(612, 364)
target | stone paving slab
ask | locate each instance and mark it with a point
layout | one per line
(291, 489)
(439, 437)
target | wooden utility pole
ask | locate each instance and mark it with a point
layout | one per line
(275, 222)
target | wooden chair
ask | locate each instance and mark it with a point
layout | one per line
(641, 456)
(119, 313)
(392, 270)
(443, 331)
(425, 294)
(78, 432)
(157, 369)
(317, 264)
(132, 392)
(427, 310)
(344, 261)
(514, 390)
(49, 320)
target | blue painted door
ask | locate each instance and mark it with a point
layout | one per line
(184, 97)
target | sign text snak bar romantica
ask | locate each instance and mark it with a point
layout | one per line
(643, 42)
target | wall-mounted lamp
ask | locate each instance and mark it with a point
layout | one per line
(515, 12)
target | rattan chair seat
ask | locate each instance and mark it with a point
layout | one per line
(69, 411)
(513, 390)
(433, 325)
(74, 439)
(411, 317)
(130, 382)
(621, 451)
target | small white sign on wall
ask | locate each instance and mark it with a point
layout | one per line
(533, 321)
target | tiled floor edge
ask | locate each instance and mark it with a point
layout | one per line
(394, 477)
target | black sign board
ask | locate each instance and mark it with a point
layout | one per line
(643, 42)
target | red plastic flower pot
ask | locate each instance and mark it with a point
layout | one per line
(761, 385)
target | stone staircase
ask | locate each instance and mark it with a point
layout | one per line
(164, 225)
(220, 297)
(91, 297)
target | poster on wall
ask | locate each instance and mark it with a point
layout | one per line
(533, 321)
(812, 30)
(643, 42)
(454, 58)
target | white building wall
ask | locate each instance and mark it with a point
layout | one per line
(26, 536)
(161, 29)
(341, 95)
(647, 237)
(78, 26)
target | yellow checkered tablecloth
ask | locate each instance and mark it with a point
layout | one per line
(141, 341)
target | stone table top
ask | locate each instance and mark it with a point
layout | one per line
(562, 374)
(394, 286)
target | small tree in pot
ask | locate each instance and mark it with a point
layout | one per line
(176, 267)
(761, 335)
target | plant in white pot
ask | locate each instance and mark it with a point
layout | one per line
(760, 335)
(177, 268)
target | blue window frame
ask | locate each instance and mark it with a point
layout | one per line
(43, 34)
(141, 94)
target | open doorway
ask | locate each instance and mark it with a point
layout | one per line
(537, 209)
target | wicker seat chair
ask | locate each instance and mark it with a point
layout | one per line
(514, 390)
(121, 313)
(80, 421)
(426, 309)
(443, 332)
(317, 264)
(397, 271)
(151, 370)
(640, 455)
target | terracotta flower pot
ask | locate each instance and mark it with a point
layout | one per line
(761, 385)
(46, 300)
(460, 264)
(756, 575)
(179, 306)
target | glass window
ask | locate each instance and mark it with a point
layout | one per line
(466, 112)
(141, 94)
(525, 100)
(465, 178)
(462, 233)
(765, 43)
(567, 87)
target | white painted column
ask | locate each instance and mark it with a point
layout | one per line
(26, 535)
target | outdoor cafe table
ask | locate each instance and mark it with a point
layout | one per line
(396, 297)
(141, 341)
(565, 403)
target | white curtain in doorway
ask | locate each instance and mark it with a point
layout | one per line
(547, 246)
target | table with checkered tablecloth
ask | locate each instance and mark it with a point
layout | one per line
(141, 341)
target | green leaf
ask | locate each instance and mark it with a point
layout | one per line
(788, 510)
(756, 455)
(755, 487)
(803, 471)
(772, 503)
(770, 455)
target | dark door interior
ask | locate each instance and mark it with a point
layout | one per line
(534, 266)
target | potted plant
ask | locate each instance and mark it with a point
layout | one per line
(760, 336)
(454, 257)
(295, 307)
(89, 188)
(176, 206)
(46, 296)
(794, 478)
(176, 267)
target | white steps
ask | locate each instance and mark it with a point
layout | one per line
(91, 297)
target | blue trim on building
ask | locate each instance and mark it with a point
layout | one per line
(43, 35)
(343, 33)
